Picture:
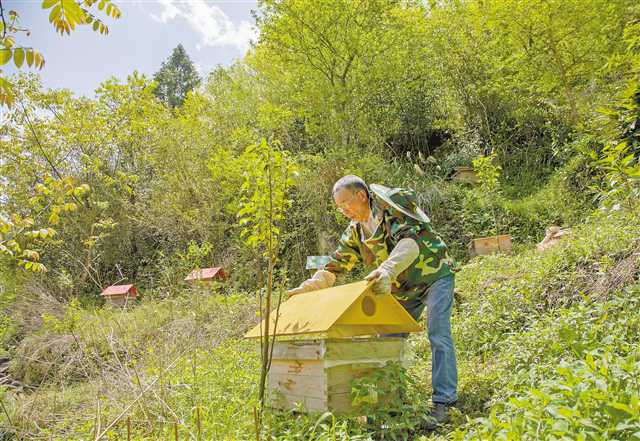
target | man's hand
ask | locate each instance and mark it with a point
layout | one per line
(383, 281)
(402, 256)
(320, 280)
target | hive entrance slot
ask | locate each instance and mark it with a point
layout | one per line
(368, 306)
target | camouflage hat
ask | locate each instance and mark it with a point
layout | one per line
(404, 201)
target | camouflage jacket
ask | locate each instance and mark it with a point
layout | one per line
(432, 263)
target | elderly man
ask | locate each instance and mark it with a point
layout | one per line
(390, 233)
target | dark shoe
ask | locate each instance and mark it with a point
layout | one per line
(437, 416)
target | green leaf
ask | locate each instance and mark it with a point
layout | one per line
(54, 15)
(5, 56)
(30, 57)
(623, 407)
(5, 250)
(39, 60)
(46, 4)
(18, 57)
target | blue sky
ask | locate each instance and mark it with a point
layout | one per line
(213, 32)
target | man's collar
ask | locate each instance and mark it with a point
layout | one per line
(375, 208)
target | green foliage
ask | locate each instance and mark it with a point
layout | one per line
(67, 324)
(71, 158)
(76, 347)
(267, 178)
(226, 370)
(360, 61)
(536, 282)
(595, 398)
(488, 173)
(393, 401)
(137, 191)
(488, 191)
(612, 144)
(522, 325)
(64, 16)
(619, 158)
(29, 227)
(176, 78)
(174, 268)
(581, 384)
(9, 51)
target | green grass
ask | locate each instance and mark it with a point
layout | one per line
(541, 353)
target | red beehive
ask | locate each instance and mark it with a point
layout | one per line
(206, 275)
(120, 295)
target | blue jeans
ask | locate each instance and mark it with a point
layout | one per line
(438, 299)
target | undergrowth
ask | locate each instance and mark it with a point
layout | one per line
(547, 347)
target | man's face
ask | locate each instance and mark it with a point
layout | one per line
(354, 205)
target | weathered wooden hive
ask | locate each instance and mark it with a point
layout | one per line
(327, 338)
(120, 295)
(206, 275)
(490, 245)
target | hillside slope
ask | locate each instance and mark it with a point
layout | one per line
(547, 346)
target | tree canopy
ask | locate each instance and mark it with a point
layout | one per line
(176, 77)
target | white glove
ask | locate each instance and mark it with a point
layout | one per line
(383, 281)
(401, 258)
(320, 280)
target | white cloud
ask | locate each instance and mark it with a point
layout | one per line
(209, 21)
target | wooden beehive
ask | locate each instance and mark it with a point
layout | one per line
(120, 295)
(321, 347)
(490, 245)
(317, 374)
(206, 275)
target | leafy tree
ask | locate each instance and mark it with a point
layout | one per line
(64, 16)
(176, 78)
(341, 67)
(50, 143)
(619, 157)
(267, 179)
(525, 74)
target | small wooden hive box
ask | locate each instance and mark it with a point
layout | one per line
(490, 245)
(327, 338)
(206, 275)
(120, 295)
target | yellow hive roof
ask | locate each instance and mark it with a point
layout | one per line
(342, 311)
